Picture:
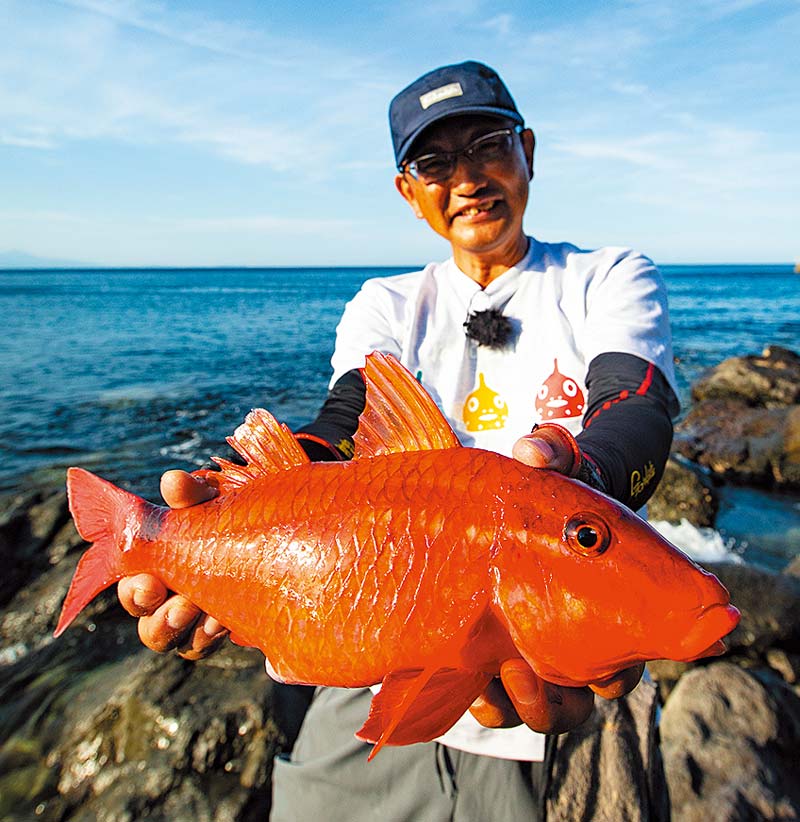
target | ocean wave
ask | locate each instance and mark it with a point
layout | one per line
(701, 544)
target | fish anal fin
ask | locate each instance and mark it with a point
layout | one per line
(417, 706)
(267, 447)
(399, 414)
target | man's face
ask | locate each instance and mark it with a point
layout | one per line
(479, 209)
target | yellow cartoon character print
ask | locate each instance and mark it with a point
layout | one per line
(484, 409)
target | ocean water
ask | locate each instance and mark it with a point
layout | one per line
(130, 372)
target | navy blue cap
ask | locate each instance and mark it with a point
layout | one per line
(464, 88)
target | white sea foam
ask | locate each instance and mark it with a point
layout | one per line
(187, 450)
(702, 544)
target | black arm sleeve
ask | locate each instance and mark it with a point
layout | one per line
(330, 435)
(628, 425)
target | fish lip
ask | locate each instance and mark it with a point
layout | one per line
(705, 637)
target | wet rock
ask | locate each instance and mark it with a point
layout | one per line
(770, 607)
(114, 733)
(767, 381)
(684, 493)
(666, 673)
(609, 769)
(730, 740)
(793, 568)
(757, 446)
(35, 532)
(786, 665)
(745, 423)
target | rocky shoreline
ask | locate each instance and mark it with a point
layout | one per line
(94, 727)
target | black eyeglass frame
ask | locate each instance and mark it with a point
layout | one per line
(452, 156)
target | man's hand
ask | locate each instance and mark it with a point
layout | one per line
(171, 621)
(519, 695)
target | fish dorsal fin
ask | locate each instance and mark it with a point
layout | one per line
(267, 447)
(399, 414)
(419, 705)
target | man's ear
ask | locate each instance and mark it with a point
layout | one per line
(406, 190)
(529, 145)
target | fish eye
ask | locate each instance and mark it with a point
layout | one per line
(587, 535)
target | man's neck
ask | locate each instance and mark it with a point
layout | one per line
(483, 268)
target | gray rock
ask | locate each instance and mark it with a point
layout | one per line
(684, 493)
(731, 742)
(745, 423)
(94, 729)
(793, 568)
(35, 532)
(610, 769)
(769, 380)
(757, 446)
(770, 607)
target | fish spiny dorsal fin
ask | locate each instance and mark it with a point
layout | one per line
(267, 446)
(399, 414)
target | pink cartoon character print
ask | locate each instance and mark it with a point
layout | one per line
(559, 397)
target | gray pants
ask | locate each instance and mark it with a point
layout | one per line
(328, 779)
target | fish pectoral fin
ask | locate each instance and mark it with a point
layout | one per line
(399, 415)
(267, 447)
(417, 705)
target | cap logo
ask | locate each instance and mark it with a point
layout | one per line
(442, 93)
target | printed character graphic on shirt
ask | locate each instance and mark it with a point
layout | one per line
(559, 397)
(484, 409)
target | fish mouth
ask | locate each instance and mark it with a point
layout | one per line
(705, 637)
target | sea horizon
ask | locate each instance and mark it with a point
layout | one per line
(339, 267)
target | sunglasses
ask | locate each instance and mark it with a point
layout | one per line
(489, 148)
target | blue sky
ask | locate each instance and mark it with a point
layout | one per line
(146, 132)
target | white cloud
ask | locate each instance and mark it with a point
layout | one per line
(258, 100)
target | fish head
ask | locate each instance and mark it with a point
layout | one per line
(587, 588)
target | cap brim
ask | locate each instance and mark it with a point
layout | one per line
(489, 111)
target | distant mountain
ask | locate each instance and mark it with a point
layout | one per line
(21, 259)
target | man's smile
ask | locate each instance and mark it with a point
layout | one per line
(477, 210)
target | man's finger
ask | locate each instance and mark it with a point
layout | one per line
(182, 490)
(494, 709)
(170, 625)
(208, 634)
(541, 705)
(142, 594)
(620, 684)
(546, 447)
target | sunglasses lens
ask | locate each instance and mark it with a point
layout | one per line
(490, 148)
(434, 167)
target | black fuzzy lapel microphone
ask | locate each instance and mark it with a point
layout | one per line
(490, 328)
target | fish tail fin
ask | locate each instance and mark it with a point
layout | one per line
(100, 511)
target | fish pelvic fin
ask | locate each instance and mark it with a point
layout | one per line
(399, 414)
(102, 513)
(420, 705)
(267, 447)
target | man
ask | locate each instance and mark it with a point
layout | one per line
(509, 334)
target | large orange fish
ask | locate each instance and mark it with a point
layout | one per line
(419, 564)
